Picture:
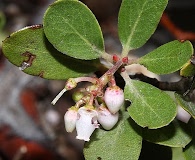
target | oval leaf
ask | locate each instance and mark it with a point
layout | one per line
(138, 21)
(122, 142)
(176, 134)
(174, 53)
(30, 45)
(150, 107)
(188, 106)
(73, 30)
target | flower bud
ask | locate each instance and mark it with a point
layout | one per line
(86, 123)
(77, 96)
(114, 98)
(106, 118)
(70, 119)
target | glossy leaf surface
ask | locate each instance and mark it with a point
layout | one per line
(73, 30)
(122, 142)
(150, 107)
(30, 45)
(168, 58)
(138, 20)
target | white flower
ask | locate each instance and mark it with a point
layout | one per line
(70, 119)
(106, 118)
(114, 98)
(183, 115)
(86, 123)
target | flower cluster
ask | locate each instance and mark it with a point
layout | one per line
(97, 104)
(88, 117)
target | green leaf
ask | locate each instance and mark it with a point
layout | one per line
(168, 58)
(188, 106)
(30, 45)
(176, 134)
(188, 70)
(123, 142)
(150, 107)
(138, 20)
(177, 153)
(73, 30)
(189, 151)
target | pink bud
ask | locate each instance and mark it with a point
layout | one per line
(114, 98)
(106, 118)
(70, 119)
(86, 123)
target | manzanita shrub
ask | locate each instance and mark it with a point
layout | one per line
(69, 45)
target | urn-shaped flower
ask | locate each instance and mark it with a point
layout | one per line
(106, 118)
(86, 122)
(114, 98)
(70, 119)
(183, 115)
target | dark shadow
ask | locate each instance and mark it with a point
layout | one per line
(85, 66)
(151, 151)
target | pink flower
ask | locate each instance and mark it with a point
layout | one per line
(114, 98)
(86, 123)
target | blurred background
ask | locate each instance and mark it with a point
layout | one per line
(30, 127)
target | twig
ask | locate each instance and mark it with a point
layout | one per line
(176, 31)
